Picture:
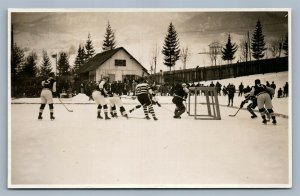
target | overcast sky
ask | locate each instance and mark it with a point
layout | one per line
(139, 32)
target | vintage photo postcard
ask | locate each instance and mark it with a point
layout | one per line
(149, 98)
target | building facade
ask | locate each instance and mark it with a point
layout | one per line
(118, 64)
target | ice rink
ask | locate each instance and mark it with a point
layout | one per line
(78, 149)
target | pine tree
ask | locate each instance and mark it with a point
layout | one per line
(80, 59)
(257, 42)
(17, 60)
(63, 64)
(30, 66)
(45, 66)
(229, 50)
(171, 48)
(89, 48)
(109, 42)
(285, 45)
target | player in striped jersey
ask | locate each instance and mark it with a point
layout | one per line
(143, 92)
(49, 88)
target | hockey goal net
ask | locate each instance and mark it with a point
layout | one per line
(199, 96)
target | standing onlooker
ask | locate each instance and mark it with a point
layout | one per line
(286, 90)
(279, 93)
(241, 89)
(230, 91)
(273, 86)
(219, 86)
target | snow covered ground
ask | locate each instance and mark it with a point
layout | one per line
(78, 150)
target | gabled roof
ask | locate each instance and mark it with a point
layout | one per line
(102, 57)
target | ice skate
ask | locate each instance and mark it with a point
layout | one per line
(40, 118)
(99, 117)
(154, 118)
(274, 120)
(106, 117)
(52, 118)
(147, 117)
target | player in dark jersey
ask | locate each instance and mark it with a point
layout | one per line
(264, 101)
(180, 94)
(251, 106)
(49, 89)
(143, 92)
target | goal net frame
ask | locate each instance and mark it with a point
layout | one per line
(212, 102)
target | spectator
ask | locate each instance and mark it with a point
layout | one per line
(241, 89)
(286, 90)
(230, 91)
(219, 87)
(279, 93)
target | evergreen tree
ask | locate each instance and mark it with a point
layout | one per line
(229, 50)
(45, 66)
(257, 42)
(79, 60)
(17, 60)
(63, 64)
(30, 66)
(109, 42)
(89, 48)
(285, 45)
(171, 50)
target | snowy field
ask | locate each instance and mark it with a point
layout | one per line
(79, 150)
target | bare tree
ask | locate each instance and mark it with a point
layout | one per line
(244, 50)
(275, 47)
(185, 56)
(154, 57)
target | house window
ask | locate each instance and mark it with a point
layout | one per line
(120, 62)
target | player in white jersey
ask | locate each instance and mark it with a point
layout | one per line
(115, 101)
(264, 101)
(49, 88)
(143, 92)
(100, 97)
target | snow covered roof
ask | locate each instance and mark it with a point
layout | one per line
(102, 57)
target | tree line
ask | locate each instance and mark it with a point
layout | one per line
(25, 68)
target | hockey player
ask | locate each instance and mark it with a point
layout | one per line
(251, 106)
(100, 97)
(263, 94)
(143, 92)
(180, 95)
(114, 100)
(49, 90)
(153, 100)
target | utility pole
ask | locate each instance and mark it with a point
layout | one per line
(55, 56)
(249, 45)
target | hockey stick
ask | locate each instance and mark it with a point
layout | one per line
(128, 97)
(69, 110)
(235, 113)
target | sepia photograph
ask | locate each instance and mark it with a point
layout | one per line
(149, 98)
